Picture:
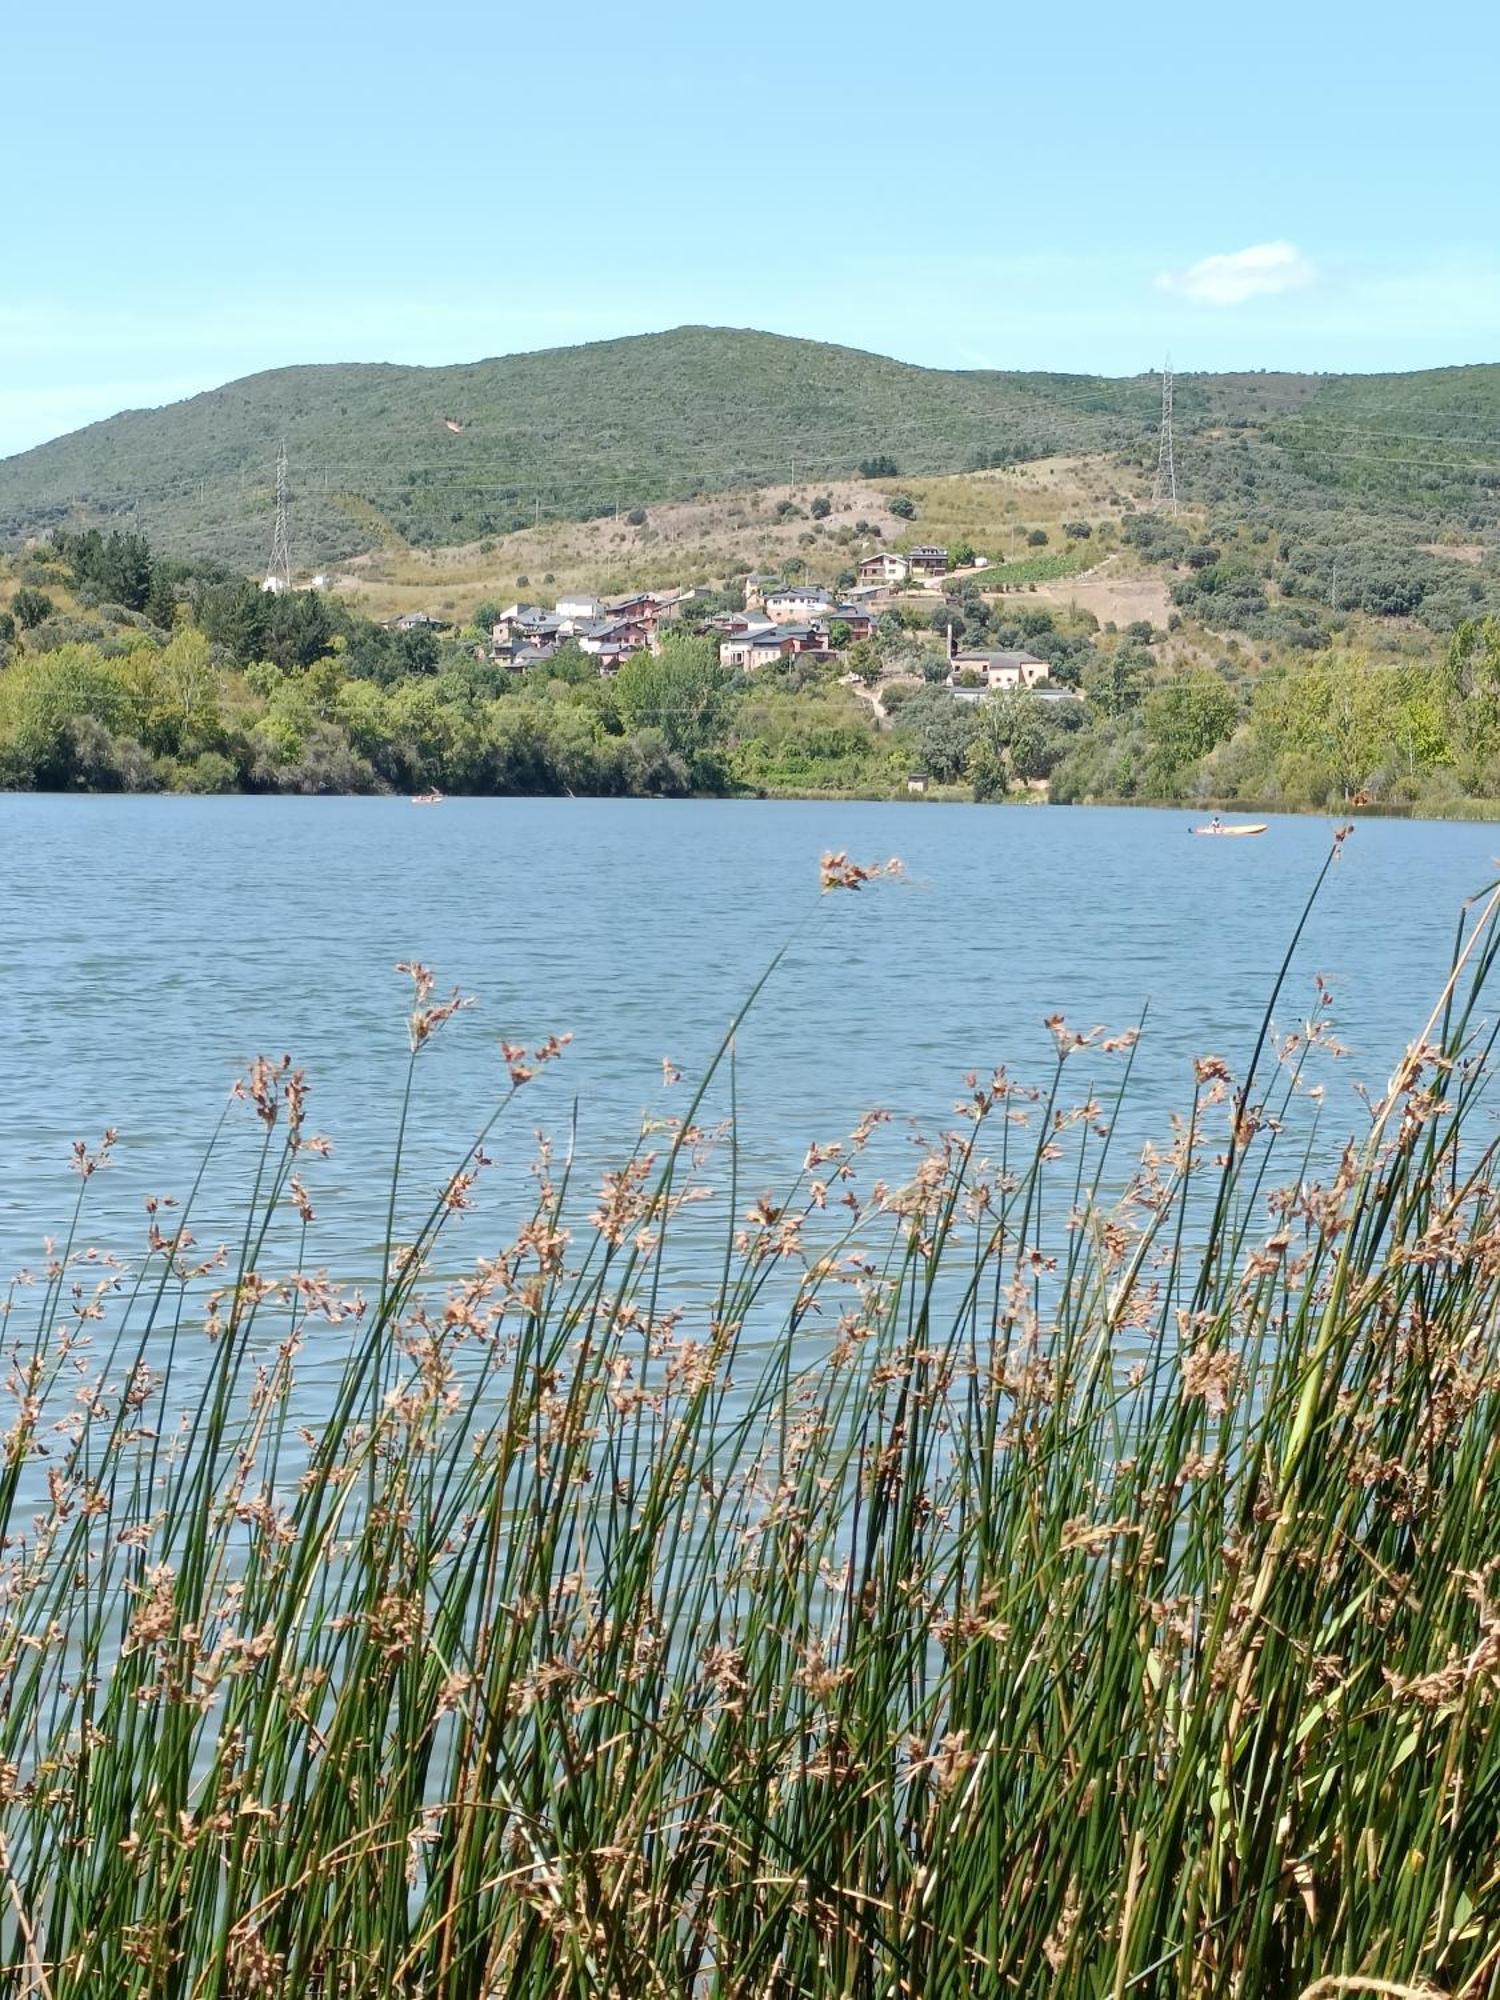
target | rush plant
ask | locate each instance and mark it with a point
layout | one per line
(1055, 1574)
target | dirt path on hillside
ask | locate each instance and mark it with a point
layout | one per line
(872, 695)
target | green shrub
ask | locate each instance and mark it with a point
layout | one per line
(30, 607)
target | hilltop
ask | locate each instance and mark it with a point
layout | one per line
(382, 455)
(385, 458)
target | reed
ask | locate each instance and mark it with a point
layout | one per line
(1059, 1574)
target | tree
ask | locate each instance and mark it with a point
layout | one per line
(882, 466)
(1037, 539)
(161, 601)
(1471, 667)
(681, 691)
(187, 687)
(43, 701)
(1336, 723)
(569, 664)
(297, 627)
(1115, 686)
(1032, 734)
(942, 731)
(487, 615)
(1077, 531)
(233, 615)
(961, 555)
(117, 571)
(636, 517)
(31, 607)
(124, 574)
(903, 506)
(418, 652)
(989, 772)
(1185, 718)
(863, 659)
(821, 508)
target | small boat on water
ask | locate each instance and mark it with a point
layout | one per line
(432, 798)
(1230, 832)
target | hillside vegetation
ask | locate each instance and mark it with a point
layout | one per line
(574, 432)
(1317, 625)
(383, 456)
(123, 670)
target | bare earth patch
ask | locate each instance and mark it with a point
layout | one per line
(1464, 552)
(1111, 596)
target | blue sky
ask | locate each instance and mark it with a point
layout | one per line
(198, 192)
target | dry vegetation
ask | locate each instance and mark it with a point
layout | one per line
(1113, 593)
(1049, 1576)
(697, 541)
(689, 541)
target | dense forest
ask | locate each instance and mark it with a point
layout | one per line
(124, 670)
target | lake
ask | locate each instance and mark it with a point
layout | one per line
(153, 945)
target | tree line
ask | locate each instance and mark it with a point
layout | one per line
(120, 671)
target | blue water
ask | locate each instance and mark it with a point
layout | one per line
(152, 945)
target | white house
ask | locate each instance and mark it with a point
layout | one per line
(998, 670)
(885, 566)
(579, 610)
(798, 603)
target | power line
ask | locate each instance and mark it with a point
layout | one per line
(1301, 435)
(1164, 492)
(1289, 442)
(279, 572)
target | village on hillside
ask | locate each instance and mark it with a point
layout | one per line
(780, 620)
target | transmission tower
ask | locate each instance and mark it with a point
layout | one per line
(1164, 492)
(279, 572)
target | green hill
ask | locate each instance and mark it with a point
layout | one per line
(578, 430)
(442, 455)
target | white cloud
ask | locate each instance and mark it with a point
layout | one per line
(1237, 275)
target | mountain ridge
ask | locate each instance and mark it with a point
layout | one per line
(453, 452)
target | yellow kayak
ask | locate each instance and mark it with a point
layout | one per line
(1230, 832)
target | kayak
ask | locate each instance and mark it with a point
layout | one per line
(1229, 832)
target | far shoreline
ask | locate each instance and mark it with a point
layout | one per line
(1461, 811)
